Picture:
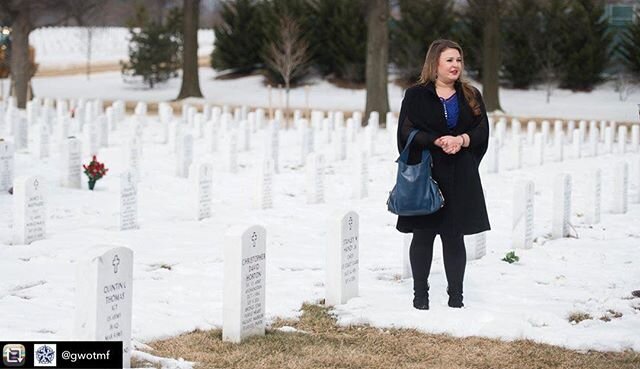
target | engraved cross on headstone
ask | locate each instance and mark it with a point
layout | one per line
(254, 238)
(36, 184)
(115, 263)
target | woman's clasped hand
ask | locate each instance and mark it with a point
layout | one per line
(450, 144)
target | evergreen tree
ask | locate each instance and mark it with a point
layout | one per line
(522, 37)
(240, 38)
(339, 38)
(154, 48)
(629, 48)
(471, 28)
(421, 22)
(587, 48)
(554, 17)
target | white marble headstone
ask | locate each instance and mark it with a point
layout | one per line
(211, 134)
(104, 299)
(558, 146)
(531, 131)
(263, 198)
(539, 149)
(201, 177)
(622, 139)
(594, 194)
(103, 131)
(608, 140)
(184, 157)
(493, 156)
(29, 210)
(561, 220)
(620, 188)
(42, 141)
(315, 178)
(340, 144)
(406, 259)
(343, 259)
(245, 266)
(545, 130)
(71, 163)
(635, 138)
(21, 133)
(516, 129)
(571, 126)
(518, 152)
(476, 246)
(232, 151)
(522, 229)
(128, 201)
(272, 145)
(361, 176)
(7, 164)
(133, 156)
(576, 144)
(636, 176)
(90, 139)
(582, 127)
(594, 134)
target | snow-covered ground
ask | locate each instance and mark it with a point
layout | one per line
(59, 47)
(533, 299)
(178, 269)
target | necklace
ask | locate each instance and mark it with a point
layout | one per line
(444, 105)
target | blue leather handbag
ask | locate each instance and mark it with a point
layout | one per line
(415, 192)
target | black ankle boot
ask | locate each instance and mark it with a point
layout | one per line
(455, 297)
(421, 296)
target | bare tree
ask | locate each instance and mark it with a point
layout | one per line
(85, 13)
(190, 81)
(25, 16)
(288, 55)
(377, 57)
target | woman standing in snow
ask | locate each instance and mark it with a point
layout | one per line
(452, 122)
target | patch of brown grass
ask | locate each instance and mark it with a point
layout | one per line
(579, 316)
(323, 344)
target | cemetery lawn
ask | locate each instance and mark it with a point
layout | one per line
(318, 342)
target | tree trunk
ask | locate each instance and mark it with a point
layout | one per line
(491, 55)
(20, 65)
(377, 57)
(190, 81)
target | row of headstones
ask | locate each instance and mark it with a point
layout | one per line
(89, 120)
(27, 189)
(517, 149)
(29, 207)
(522, 228)
(602, 131)
(72, 147)
(238, 136)
(96, 135)
(105, 284)
(523, 202)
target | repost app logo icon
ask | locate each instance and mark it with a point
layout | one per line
(13, 355)
(44, 354)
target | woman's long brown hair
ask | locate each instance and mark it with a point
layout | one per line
(430, 68)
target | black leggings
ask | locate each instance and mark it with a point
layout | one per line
(453, 253)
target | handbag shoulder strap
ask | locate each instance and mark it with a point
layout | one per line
(404, 155)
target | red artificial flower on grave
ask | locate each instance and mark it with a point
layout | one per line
(94, 171)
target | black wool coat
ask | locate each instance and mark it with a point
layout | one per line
(464, 211)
